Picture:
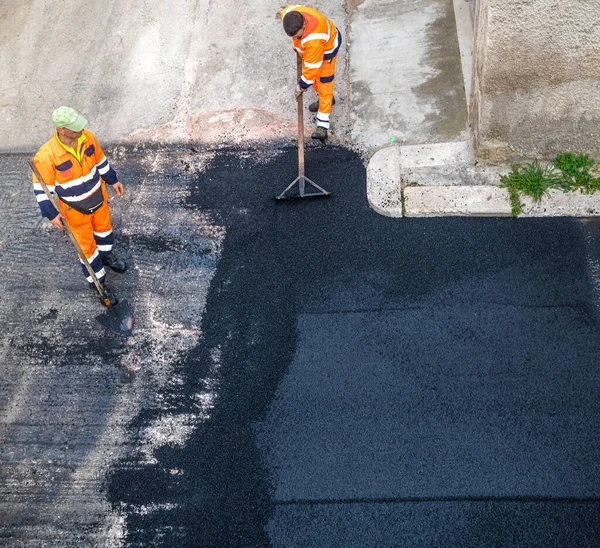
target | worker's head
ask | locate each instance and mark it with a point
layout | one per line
(68, 122)
(293, 24)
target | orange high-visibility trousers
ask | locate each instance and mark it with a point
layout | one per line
(324, 88)
(93, 233)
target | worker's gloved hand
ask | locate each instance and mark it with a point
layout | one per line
(299, 91)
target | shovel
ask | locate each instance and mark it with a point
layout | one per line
(301, 179)
(118, 317)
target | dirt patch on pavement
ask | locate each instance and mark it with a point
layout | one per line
(233, 126)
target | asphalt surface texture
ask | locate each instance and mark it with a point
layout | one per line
(304, 373)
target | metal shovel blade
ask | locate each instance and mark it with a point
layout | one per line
(118, 318)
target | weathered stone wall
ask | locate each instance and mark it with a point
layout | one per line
(536, 78)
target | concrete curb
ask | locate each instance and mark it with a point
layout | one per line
(558, 204)
(441, 201)
(384, 192)
(442, 180)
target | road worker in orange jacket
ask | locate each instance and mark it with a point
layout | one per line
(317, 42)
(74, 168)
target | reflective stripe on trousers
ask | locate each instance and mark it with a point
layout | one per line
(324, 88)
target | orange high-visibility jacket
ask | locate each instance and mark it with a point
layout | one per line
(320, 43)
(72, 180)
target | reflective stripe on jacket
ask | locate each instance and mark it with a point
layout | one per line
(319, 44)
(72, 180)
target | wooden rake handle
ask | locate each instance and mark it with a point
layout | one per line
(300, 120)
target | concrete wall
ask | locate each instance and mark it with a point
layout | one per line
(536, 78)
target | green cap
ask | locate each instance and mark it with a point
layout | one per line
(69, 118)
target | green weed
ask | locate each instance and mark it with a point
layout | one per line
(577, 172)
(515, 202)
(568, 172)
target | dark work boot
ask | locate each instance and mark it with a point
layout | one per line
(111, 260)
(314, 107)
(320, 133)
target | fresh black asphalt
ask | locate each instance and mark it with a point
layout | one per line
(385, 382)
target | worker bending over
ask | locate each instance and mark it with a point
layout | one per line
(74, 168)
(317, 42)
